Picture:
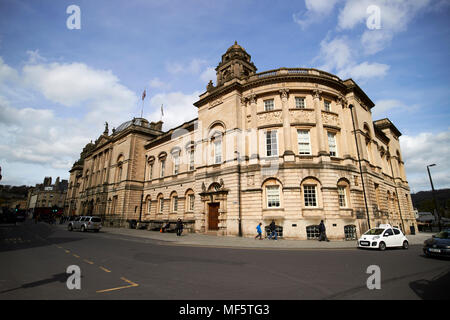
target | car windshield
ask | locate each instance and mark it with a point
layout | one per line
(443, 235)
(96, 220)
(373, 232)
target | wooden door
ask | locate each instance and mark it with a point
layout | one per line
(213, 216)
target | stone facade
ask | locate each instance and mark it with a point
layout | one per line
(293, 145)
(47, 195)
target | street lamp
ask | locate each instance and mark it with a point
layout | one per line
(434, 196)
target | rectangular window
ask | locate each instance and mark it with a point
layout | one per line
(191, 160)
(341, 195)
(217, 151)
(163, 167)
(273, 196)
(151, 172)
(271, 144)
(268, 105)
(300, 103)
(309, 193)
(175, 204)
(191, 202)
(332, 144)
(176, 164)
(327, 105)
(161, 205)
(304, 146)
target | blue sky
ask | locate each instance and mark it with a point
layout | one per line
(59, 86)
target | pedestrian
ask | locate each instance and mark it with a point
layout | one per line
(258, 229)
(322, 232)
(273, 231)
(179, 227)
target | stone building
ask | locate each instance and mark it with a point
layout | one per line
(292, 145)
(48, 195)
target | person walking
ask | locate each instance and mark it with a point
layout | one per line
(322, 232)
(273, 231)
(258, 229)
(179, 227)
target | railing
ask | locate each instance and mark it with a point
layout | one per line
(293, 71)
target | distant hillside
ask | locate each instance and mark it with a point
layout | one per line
(423, 201)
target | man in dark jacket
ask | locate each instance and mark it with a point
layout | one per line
(273, 231)
(179, 227)
(322, 232)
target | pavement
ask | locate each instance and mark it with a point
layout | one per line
(206, 240)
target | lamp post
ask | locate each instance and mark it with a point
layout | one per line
(434, 196)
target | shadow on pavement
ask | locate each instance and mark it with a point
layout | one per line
(61, 277)
(436, 289)
(30, 235)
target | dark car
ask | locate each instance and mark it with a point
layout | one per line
(438, 245)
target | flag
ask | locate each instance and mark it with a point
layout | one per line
(162, 110)
(143, 95)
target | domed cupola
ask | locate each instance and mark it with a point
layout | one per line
(236, 63)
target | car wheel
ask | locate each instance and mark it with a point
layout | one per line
(382, 246)
(83, 229)
(405, 245)
(70, 227)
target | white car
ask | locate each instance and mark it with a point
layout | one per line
(382, 237)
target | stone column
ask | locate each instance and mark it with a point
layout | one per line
(253, 132)
(345, 151)
(288, 154)
(321, 139)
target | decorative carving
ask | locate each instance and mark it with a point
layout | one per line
(251, 98)
(330, 119)
(342, 101)
(267, 118)
(210, 86)
(301, 116)
(216, 102)
(203, 187)
(284, 93)
(317, 93)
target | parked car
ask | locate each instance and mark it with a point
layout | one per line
(85, 223)
(438, 245)
(382, 237)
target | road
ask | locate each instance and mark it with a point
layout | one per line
(34, 259)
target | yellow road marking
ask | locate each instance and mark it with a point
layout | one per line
(87, 261)
(67, 251)
(76, 256)
(104, 269)
(132, 284)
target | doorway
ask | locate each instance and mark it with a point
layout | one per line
(213, 216)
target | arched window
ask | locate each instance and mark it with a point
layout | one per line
(160, 203)
(190, 200)
(174, 202)
(311, 193)
(343, 193)
(148, 204)
(216, 138)
(272, 193)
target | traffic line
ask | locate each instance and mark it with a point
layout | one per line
(131, 284)
(104, 269)
(67, 251)
(76, 256)
(87, 261)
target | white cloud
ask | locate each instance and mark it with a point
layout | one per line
(43, 138)
(364, 70)
(394, 17)
(316, 10)
(338, 56)
(424, 149)
(158, 84)
(178, 108)
(208, 74)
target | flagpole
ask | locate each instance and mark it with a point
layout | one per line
(143, 98)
